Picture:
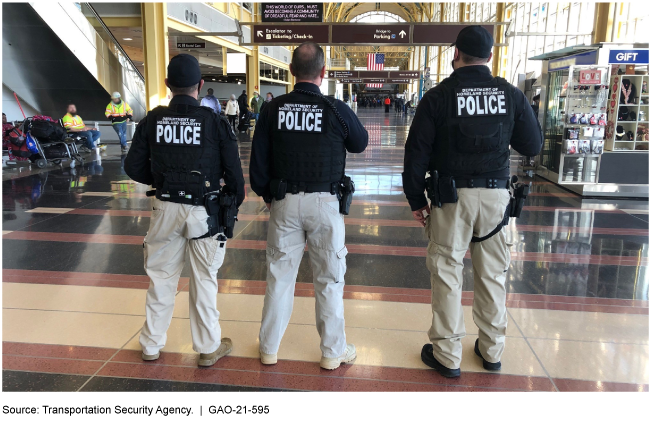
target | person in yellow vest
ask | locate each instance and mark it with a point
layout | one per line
(73, 123)
(120, 113)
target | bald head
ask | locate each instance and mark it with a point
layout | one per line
(308, 62)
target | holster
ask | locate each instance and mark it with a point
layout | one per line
(228, 213)
(212, 207)
(278, 188)
(345, 195)
(518, 199)
(441, 190)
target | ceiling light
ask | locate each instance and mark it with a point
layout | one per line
(127, 38)
(238, 83)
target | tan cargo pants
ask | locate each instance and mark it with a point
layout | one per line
(167, 244)
(311, 218)
(450, 230)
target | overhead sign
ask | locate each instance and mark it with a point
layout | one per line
(292, 12)
(344, 73)
(629, 56)
(440, 34)
(290, 34)
(364, 74)
(191, 45)
(374, 74)
(372, 80)
(405, 74)
(371, 34)
(587, 58)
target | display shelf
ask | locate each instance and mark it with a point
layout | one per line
(636, 84)
(567, 96)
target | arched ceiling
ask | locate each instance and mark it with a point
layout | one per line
(395, 56)
(344, 12)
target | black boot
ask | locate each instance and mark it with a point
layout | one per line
(430, 361)
(486, 365)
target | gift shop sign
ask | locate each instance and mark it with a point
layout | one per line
(629, 56)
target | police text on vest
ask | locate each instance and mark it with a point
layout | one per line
(300, 117)
(179, 131)
(480, 101)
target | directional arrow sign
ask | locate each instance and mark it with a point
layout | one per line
(405, 74)
(342, 74)
(287, 34)
(370, 34)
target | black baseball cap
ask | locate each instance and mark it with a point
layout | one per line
(183, 71)
(475, 40)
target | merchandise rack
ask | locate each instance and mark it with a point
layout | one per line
(638, 104)
(568, 97)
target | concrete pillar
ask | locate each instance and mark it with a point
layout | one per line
(156, 53)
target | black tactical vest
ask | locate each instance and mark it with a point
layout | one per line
(475, 136)
(308, 142)
(185, 159)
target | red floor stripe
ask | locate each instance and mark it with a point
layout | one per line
(391, 222)
(352, 248)
(356, 292)
(286, 374)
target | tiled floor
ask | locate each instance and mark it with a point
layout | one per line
(74, 290)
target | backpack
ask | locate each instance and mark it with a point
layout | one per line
(31, 144)
(16, 137)
(47, 130)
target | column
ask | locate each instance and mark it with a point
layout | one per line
(499, 37)
(604, 22)
(224, 59)
(156, 53)
(253, 72)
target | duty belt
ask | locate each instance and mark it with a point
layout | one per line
(482, 183)
(295, 188)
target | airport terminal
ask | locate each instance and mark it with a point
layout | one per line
(206, 196)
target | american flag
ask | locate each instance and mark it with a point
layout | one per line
(375, 63)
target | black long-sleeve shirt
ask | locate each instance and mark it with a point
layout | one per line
(260, 166)
(431, 114)
(137, 164)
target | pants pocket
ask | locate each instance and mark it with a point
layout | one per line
(342, 264)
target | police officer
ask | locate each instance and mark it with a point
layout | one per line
(463, 129)
(297, 166)
(183, 151)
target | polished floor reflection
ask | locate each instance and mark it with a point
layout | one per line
(74, 289)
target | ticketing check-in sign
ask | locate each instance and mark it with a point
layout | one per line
(371, 34)
(290, 34)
